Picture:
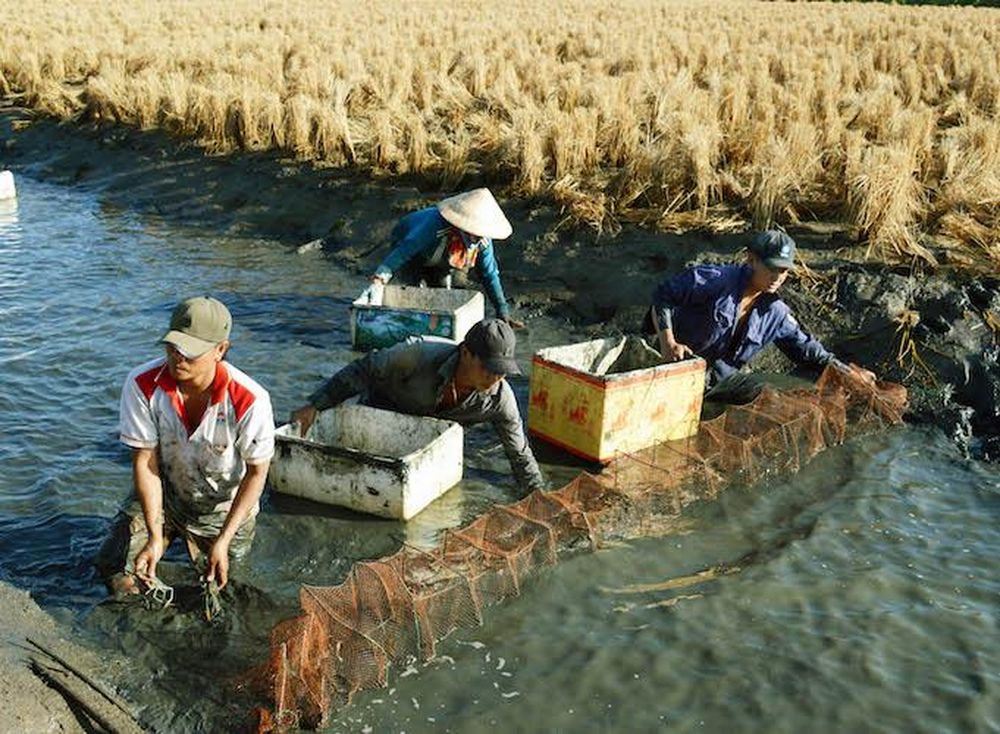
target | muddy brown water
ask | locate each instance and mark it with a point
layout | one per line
(860, 594)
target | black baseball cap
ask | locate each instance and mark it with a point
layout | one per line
(492, 340)
(774, 248)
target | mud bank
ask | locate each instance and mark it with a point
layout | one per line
(48, 684)
(937, 332)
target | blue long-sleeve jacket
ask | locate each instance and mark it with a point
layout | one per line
(701, 305)
(418, 236)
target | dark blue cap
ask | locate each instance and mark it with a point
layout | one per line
(774, 248)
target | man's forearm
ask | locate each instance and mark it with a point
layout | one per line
(346, 383)
(149, 490)
(247, 496)
(525, 469)
(489, 274)
(519, 454)
(497, 298)
(529, 476)
(663, 325)
(663, 318)
(667, 341)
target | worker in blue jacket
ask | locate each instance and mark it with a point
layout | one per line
(439, 245)
(726, 314)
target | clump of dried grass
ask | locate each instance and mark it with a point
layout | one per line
(679, 114)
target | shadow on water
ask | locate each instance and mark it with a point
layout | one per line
(315, 321)
(369, 536)
(552, 456)
(754, 525)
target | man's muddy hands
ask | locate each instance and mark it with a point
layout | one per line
(866, 375)
(513, 323)
(304, 417)
(858, 371)
(148, 557)
(218, 562)
(672, 350)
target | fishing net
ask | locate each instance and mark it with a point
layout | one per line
(398, 608)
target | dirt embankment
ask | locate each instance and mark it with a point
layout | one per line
(937, 332)
(48, 684)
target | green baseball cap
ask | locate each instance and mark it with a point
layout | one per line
(197, 325)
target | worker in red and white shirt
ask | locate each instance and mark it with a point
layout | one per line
(202, 436)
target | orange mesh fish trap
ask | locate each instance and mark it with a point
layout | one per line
(398, 608)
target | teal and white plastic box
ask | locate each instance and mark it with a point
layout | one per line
(399, 312)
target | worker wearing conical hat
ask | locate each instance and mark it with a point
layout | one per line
(439, 245)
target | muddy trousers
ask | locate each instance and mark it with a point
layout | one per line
(128, 536)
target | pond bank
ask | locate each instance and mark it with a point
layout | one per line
(49, 684)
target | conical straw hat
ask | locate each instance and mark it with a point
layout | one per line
(476, 212)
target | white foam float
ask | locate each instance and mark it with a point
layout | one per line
(7, 190)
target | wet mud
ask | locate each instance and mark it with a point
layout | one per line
(50, 684)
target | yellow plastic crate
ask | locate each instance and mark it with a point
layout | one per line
(600, 397)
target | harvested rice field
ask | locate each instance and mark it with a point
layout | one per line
(675, 115)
